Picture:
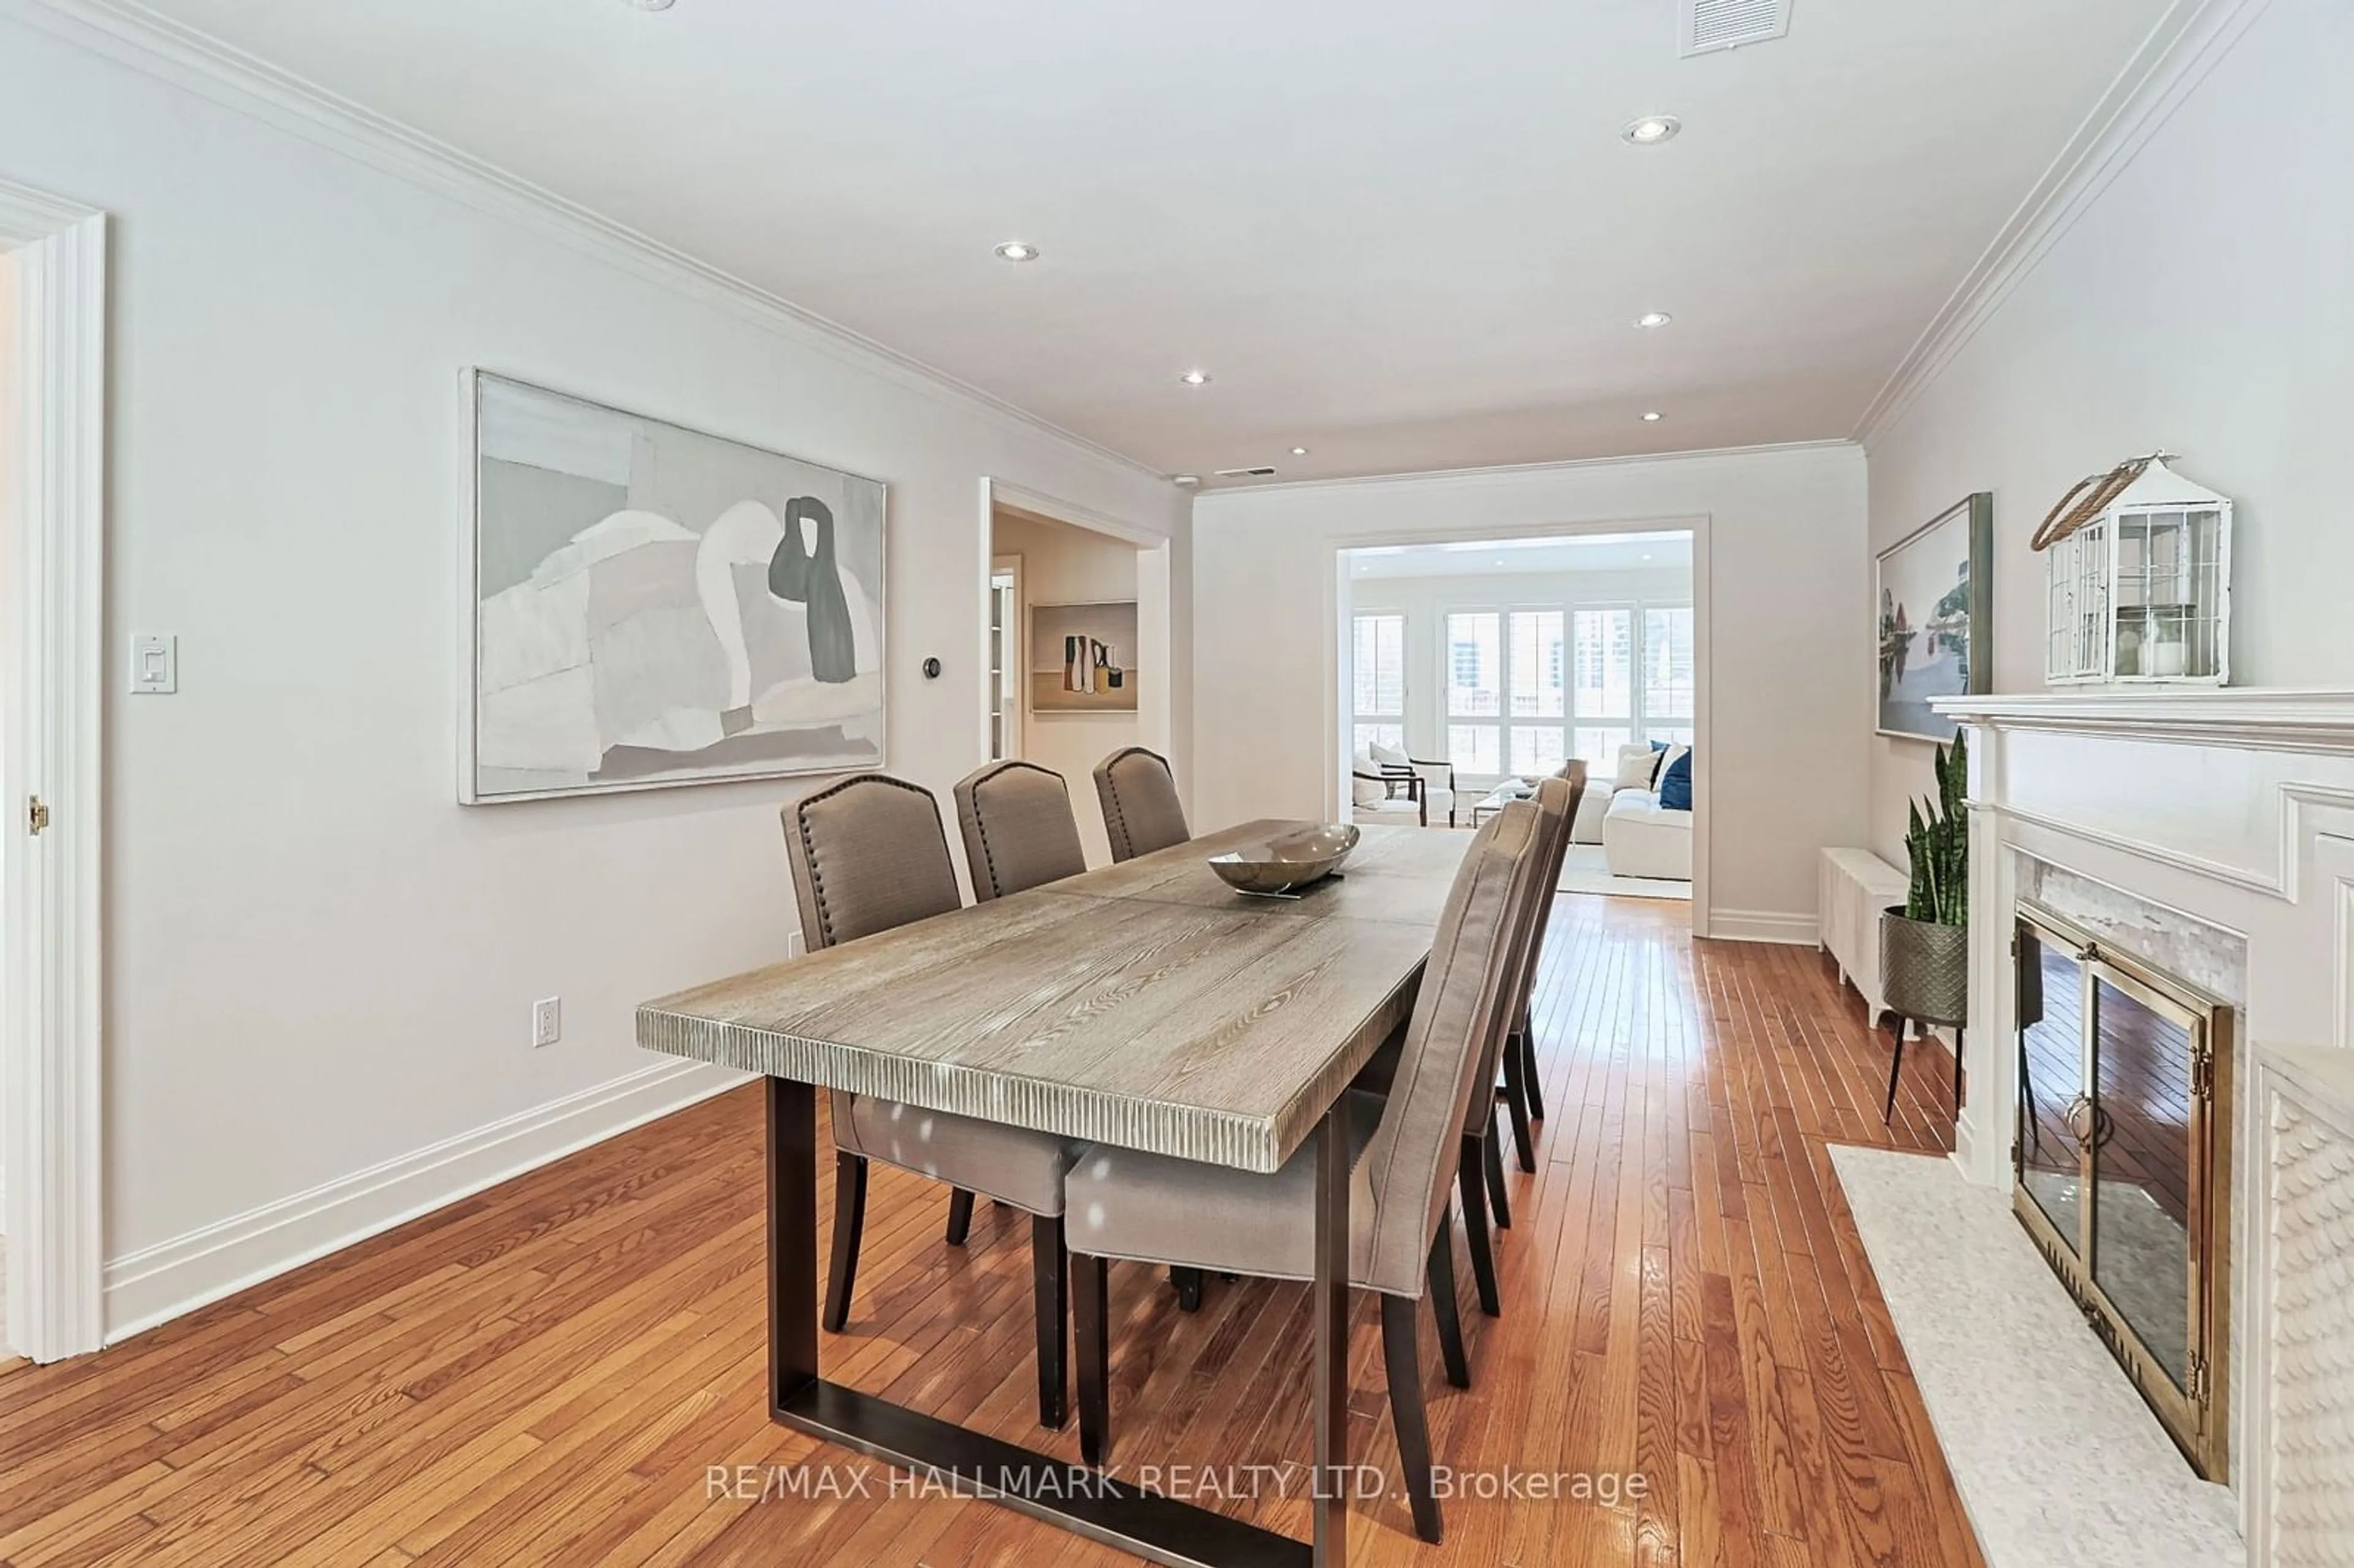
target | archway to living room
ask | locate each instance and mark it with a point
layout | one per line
(1473, 668)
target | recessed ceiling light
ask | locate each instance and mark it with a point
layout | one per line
(1651, 129)
(1012, 250)
(1195, 379)
(1649, 319)
(1186, 479)
(1653, 417)
(1300, 451)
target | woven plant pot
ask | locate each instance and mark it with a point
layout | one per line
(1924, 968)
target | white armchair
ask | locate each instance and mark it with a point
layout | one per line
(1386, 782)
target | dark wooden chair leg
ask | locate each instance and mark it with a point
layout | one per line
(849, 1226)
(1529, 1081)
(1188, 1284)
(1091, 1336)
(1470, 1181)
(1051, 1305)
(1895, 1066)
(1441, 1277)
(1516, 1101)
(1404, 1366)
(959, 1216)
(1499, 1197)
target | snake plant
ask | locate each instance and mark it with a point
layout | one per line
(1937, 842)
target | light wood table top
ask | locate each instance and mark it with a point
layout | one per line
(1145, 1004)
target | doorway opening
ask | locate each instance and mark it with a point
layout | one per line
(1472, 668)
(11, 463)
(52, 423)
(1074, 673)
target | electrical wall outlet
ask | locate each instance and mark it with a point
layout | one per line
(546, 1021)
(795, 945)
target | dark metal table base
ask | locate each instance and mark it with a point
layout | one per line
(958, 1459)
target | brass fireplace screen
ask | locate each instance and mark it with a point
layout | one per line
(2124, 1165)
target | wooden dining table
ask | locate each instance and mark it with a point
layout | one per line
(1145, 1005)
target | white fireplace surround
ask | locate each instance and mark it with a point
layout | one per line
(2236, 809)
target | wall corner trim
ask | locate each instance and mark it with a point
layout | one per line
(2187, 43)
(148, 41)
(161, 1282)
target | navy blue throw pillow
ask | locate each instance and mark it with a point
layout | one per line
(1675, 785)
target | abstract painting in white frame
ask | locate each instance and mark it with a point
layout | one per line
(652, 606)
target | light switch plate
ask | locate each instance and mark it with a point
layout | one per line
(155, 663)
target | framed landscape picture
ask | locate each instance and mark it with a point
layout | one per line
(1934, 619)
(1082, 658)
(655, 605)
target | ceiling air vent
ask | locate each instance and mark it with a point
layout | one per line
(1704, 27)
(1246, 474)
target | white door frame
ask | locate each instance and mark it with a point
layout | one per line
(1155, 638)
(52, 532)
(1339, 685)
(1017, 641)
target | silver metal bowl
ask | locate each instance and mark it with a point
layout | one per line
(1287, 860)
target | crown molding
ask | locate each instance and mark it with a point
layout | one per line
(1502, 472)
(157, 46)
(2187, 44)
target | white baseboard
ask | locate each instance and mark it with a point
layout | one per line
(161, 1282)
(1762, 925)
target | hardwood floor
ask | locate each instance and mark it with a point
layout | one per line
(553, 1370)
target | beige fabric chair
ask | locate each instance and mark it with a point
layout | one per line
(1479, 1169)
(1018, 828)
(867, 854)
(1126, 1204)
(1523, 1091)
(1140, 809)
(1479, 1173)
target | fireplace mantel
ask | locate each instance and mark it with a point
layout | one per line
(2304, 719)
(2215, 826)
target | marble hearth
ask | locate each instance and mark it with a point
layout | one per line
(2210, 834)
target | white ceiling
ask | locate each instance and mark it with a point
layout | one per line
(1525, 558)
(1407, 236)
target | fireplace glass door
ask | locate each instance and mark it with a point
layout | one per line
(2118, 1161)
(2052, 1079)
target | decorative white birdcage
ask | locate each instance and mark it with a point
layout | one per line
(2139, 579)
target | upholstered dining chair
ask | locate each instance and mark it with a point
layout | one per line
(1521, 1090)
(869, 854)
(1480, 1167)
(1140, 809)
(1151, 1208)
(1018, 828)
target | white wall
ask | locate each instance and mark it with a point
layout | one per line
(1425, 603)
(317, 961)
(1063, 565)
(2201, 304)
(1789, 690)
